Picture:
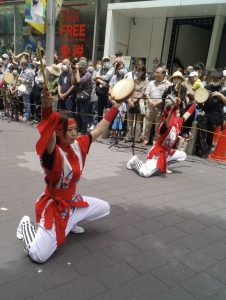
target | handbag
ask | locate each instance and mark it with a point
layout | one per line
(82, 96)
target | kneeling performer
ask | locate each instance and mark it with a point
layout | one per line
(163, 152)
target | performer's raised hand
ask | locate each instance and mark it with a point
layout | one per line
(46, 98)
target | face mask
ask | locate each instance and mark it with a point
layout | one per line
(138, 74)
(15, 72)
(90, 69)
(5, 62)
(121, 72)
(215, 83)
(51, 77)
(64, 68)
(22, 67)
(106, 65)
(98, 67)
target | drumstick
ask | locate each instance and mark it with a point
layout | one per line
(42, 68)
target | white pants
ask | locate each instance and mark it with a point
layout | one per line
(148, 168)
(45, 243)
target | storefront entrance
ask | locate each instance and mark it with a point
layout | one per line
(190, 41)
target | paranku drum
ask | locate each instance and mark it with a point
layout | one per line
(201, 95)
(122, 90)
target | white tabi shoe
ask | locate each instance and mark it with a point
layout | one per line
(168, 171)
(130, 162)
(77, 229)
(19, 233)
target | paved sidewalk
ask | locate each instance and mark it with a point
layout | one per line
(165, 238)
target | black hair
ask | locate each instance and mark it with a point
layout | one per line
(199, 66)
(143, 70)
(65, 115)
(118, 53)
(217, 74)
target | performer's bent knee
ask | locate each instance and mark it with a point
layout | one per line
(39, 256)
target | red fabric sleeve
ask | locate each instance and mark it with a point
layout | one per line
(53, 176)
(46, 112)
(46, 128)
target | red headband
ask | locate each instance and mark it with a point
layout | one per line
(70, 122)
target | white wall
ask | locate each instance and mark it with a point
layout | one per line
(117, 33)
(146, 39)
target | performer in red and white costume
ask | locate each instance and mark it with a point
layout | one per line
(163, 152)
(60, 208)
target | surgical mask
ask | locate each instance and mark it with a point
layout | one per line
(64, 68)
(106, 65)
(121, 72)
(51, 77)
(215, 83)
(98, 67)
(5, 62)
(90, 69)
(15, 72)
(138, 74)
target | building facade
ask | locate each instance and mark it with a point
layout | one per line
(176, 32)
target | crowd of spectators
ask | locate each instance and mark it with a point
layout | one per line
(83, 87)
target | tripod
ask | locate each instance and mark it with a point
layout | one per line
(132, 145)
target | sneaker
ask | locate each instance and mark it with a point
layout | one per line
(92, 127)
(77, 229)
(25, 119)
(130, 162)
(19, 233)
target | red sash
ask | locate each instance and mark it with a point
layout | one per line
(62, 202)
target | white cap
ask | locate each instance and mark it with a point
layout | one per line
(193, 74)
(5, 56)
(224, 73)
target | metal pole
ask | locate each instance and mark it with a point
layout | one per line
(96, 29)
(15, 28)
(50, 31)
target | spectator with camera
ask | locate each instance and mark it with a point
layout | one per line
(102, 86)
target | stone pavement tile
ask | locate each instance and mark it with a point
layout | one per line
(219, 203)
(148, 212)
(84, 288)
(203, 286)
(198, 261)
(190, 226)
(49, 295)
(98, 241)
(90, 263)
(216, 250)
(128, 218)
(175, 293)
(207, 219)
(116, 210)
(142, 288)
(195, 241)
(218, 296)
(172, 251)
(148, 226)
(71, 249)
(170, 233)
(173, 273)
(146, 261)
(116, 274)
(218, 271)
(213, 233)
(12, 253)
(43, 280)
(147, 242)
(169, 219)
(183, 203)
(120, 251)
(125, 233)
(105, 225)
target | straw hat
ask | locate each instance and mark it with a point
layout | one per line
(54, 69)
(177, 74)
